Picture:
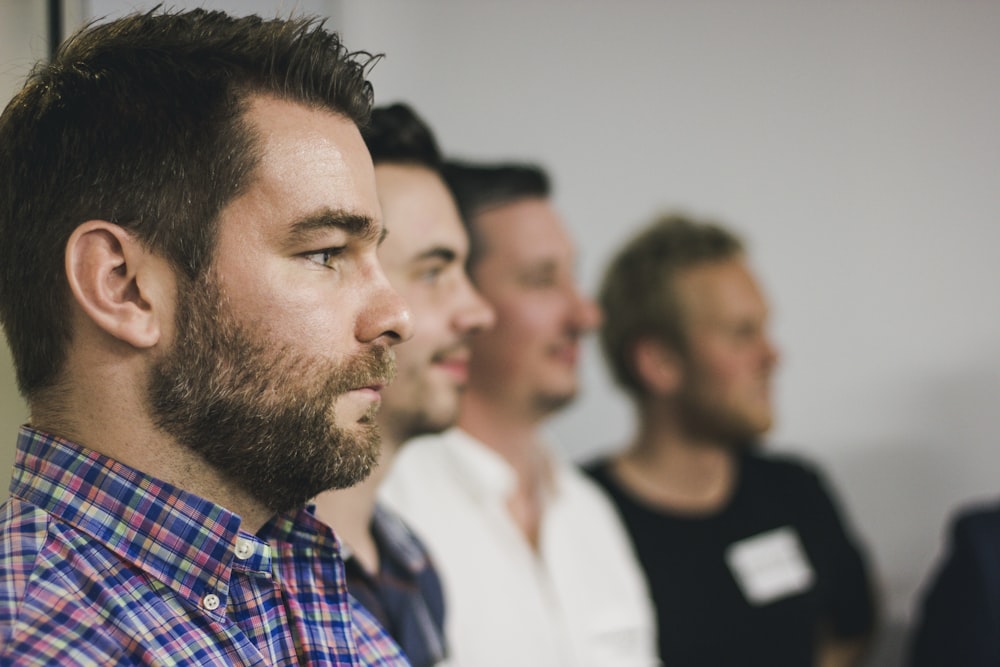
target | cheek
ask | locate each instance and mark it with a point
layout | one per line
(417, 351)
(311, 324)
(526, 320)
(719, 370)
(739, 373)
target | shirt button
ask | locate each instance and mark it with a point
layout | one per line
(244, 548)
(210, 602)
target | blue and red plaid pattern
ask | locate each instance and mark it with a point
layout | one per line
(307, 557)
(101, 564)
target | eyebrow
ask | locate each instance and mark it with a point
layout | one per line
(437, 252)
(360, 226)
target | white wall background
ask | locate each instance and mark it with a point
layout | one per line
(856, 145)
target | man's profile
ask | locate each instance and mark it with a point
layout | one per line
(199, 322)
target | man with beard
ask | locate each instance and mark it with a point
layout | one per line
(201, 327)
(747, 557)
(535, 565)
(424, 258)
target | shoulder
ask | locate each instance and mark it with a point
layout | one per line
(374, 643)
(47, 574)
(798, 487)
(960, 606)
(784, 473)
(978, 520)
(419, 466)
(585, 501)
(23, 536)
(420, 453)
(780, 465)
(579, 486)
(395, 537)
(977, 528)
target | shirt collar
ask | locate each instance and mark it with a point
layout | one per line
(301, 527)
(184, 541)
(396, 542)
(484, 472)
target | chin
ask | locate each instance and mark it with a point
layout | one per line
(548, 402)
(430, 420)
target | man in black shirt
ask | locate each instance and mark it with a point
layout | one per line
(748, 560)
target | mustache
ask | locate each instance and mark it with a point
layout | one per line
(375, 367)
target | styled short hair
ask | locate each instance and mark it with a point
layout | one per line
(638, 293)
(397, 135)
(479, 187)
(141, 122)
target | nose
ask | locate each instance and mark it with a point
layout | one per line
(475, 314)
(385, 315)
(587, 315)
(771, 353)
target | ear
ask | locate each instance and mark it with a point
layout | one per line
(122, 287)
(657, 366)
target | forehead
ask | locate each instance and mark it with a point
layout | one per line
(525, 231)
(311, 160)
(418, 210)
(719, 291)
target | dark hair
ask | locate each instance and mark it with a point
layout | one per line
(637, 295)
(480, 187)
(397, 134)
(140, 121)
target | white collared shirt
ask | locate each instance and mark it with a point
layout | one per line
(579, 600)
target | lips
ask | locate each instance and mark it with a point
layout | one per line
(568, 353)
(374, 391)
(454, 361)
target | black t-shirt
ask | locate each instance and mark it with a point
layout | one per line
(779, 541)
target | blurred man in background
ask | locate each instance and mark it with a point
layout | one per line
(958, 622)
(423, 255)
(747, 557)
(536, 567)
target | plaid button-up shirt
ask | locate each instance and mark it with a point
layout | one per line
(103, 565)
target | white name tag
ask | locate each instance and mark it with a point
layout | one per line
(770, 566)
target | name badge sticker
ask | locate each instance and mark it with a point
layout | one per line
(770, 566)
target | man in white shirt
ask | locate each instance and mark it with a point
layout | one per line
(535, 564)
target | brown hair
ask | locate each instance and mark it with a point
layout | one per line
(637, 294)
(140, 122)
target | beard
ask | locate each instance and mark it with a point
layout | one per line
(709, 418)
(258, 412)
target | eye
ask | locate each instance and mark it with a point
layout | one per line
(430, 270)
(326, 256)
(746, 332)
(431, 274)
(540, 279)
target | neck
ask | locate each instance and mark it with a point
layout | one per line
(512, 433)
(515, 436)
(349, 511)
(108, 415)
(676, 470)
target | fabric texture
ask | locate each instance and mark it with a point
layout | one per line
(101, 564)
(752, 583)
(405, 595)
(577, 601)
(959, 617)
